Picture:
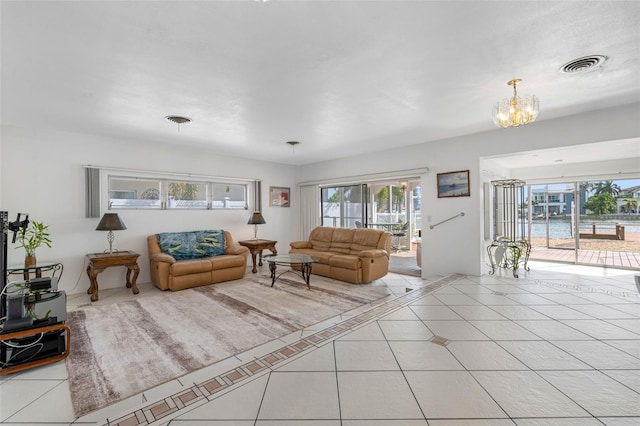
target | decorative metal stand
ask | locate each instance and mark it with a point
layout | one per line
(509, 249)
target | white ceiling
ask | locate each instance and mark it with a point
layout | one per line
(340, 77)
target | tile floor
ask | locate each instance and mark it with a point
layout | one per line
(558, 346)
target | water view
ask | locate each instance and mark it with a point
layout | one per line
(561, 228)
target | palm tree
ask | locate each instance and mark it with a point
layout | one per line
(607, 187)
(631, 204)
(183, 190)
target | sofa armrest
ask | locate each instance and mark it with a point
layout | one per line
(162, 257)
(373, 253)
(236, 248)
(301, 245)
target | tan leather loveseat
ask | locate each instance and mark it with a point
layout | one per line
(169, 273)
(354, 255)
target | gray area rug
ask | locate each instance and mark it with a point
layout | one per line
(123, 349)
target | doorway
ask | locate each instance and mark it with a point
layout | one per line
(590, 222)
(392, 205)
(553, 220)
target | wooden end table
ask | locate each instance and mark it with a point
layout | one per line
(98, 262)
(255, 248)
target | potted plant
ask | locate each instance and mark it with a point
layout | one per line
(31, 238)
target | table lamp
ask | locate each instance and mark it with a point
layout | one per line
(255, 220)
(110, 222)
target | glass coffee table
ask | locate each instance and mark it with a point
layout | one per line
(301, 260)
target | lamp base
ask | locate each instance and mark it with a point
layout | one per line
(110, 239)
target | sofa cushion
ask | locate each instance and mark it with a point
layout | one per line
(223, 262)
(321, 237)
(192, 245)
(187, 267)
(345, 261)
(365, 239)
(342, 240)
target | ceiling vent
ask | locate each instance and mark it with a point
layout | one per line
(583, 64)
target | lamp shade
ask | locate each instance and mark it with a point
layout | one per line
(111, 222)
(256, 219)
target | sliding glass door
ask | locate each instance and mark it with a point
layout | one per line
(553, 216)
(345, 206)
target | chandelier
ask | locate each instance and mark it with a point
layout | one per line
(516, 111)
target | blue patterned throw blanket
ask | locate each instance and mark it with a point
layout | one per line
(192, 245)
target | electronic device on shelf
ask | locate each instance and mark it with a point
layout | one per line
(32, 312)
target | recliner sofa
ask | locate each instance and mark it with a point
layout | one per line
(353, 255)
(194, 267)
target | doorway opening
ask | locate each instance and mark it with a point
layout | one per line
(588, 222)
(391, 205)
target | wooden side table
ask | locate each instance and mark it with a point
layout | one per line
(255, 248)
(98, 262)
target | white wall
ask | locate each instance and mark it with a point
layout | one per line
(42, 174)
(458, 245)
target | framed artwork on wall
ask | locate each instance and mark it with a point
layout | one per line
(453, 184)
(279, 196)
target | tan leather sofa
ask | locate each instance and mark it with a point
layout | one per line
(354, 255)
(167, 273)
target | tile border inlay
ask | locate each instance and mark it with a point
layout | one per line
(209, 388)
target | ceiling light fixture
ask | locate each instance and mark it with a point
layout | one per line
(293, 145)
(178, 120)
(516, 111)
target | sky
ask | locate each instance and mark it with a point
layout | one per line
(626, 183)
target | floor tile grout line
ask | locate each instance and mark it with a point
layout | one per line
(386, 307)
(569, 354)
(335, 366)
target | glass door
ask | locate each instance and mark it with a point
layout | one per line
(344, 206)
(561, 218)
(553, 218)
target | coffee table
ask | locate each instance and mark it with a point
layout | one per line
(291, 260)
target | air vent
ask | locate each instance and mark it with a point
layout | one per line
(583, 64)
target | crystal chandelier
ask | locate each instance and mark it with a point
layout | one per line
(516, 111)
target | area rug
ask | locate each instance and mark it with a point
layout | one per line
(123, 349)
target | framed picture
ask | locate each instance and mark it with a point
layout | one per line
(453, 184)
(279, 196)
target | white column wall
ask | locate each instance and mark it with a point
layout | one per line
(42, 174)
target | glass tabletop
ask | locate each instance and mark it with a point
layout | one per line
(19, 267)
(290, 259)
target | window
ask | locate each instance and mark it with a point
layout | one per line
(186, 195)
(229, 196)
(133, 193)
(148, 193)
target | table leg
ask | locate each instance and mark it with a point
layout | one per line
(260, 263)
(131, 283)
(272, 268)
(93, 288)
(306, 273)
(253, 258)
